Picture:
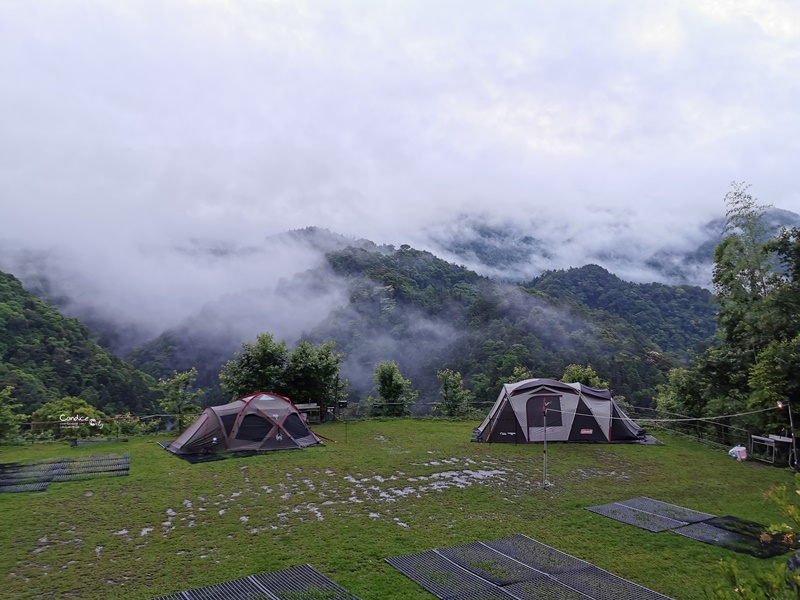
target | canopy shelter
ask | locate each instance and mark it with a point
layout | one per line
(259, 421)
(529, 410)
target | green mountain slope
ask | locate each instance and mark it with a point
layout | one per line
(46, 356)
(676, 318)
(427, 314)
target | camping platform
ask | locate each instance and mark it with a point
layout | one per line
(295, 583)
(516, 567)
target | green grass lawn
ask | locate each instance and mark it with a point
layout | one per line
(387, 488)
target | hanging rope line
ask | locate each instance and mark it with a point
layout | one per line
(655, 420)
(741, 414)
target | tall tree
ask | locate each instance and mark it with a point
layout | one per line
(309, 373)
(756, 360)
(312, 374)
(10, 418)
(179, 397)
(585, 375)
(455, 399)
(395, 394)
(260, 367)
(745, 272)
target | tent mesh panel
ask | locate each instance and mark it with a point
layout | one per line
(632, 516)
(489, 563)
(664, 509)
(295, 426)
(298, 583)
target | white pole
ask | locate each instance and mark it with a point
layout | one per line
(545, 482)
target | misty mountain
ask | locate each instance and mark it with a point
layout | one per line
(45, 356)
(139, 293)
(194, 303)
(521, 249)
(427, 314)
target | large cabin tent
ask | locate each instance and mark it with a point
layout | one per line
(259, 421)
(574, 413)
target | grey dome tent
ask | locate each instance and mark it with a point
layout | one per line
(259, 421)
(574, 413)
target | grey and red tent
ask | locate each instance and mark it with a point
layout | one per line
(570, 412)
(259, 421)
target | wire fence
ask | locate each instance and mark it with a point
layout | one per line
(714, 432)
(723, 432)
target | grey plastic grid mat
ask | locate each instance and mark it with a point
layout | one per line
(602, 585)
(440, 576)
(713, 535)
(24, 487)
(548, 573)
(303, 582)
(15, 476)
(494, 593)
(664, 509)
(297, 583)
(537, 555)
(633, 516)
(490, 564)
(543, 588)
(738, 542)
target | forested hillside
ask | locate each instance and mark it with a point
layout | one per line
(677, 318)
(427, 315)
(45, 356)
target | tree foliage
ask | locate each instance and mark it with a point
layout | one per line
(779, 581)
(744, 273)
(309, 373)
(260, 367)
(312, 374)
(756, 361)
(10, 418)
(179, 396)
(68, 417)
(456, 401)
(45, 356)
(395, 394)
(585, 375)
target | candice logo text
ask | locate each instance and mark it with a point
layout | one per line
(78, 421)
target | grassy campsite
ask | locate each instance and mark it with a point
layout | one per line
(385, 488)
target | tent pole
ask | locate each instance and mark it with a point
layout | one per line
(545, 482)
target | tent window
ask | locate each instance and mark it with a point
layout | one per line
(228, 421)
(253, 428)
(295, 426)
(535, 410)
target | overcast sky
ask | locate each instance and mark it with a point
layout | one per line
(130, 124)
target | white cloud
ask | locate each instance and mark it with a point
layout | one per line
(137, 123)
